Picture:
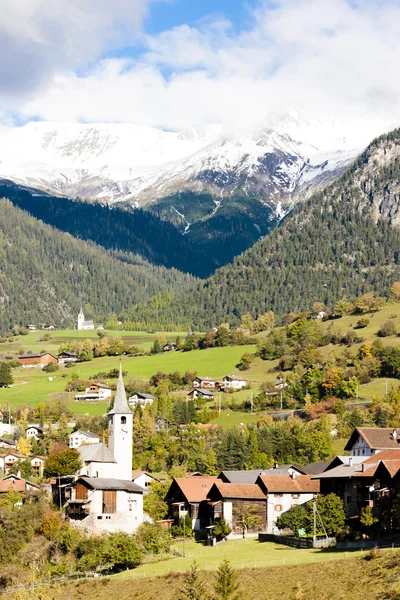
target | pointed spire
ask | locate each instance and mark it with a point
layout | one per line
(120, 402)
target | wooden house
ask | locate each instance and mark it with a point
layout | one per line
(37, 360)
(232, 500)
(188, 496)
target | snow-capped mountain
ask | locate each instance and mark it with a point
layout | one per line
(224, 189)
(116, 162)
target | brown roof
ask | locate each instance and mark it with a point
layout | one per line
(285, 483)
(376, 438)
(195, 489)
(15, 483)
(239, 490)
(384, 455)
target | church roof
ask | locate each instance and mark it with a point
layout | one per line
(96, 453)
(120, 403)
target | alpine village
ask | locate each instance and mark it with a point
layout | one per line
(200, 300)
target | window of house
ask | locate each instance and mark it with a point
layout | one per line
(278, 507)
(109, 502)
(295, 495)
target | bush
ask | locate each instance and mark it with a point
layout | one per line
(387, 329)
(361, 323)
(153, 539)
(221, 528)
(184, 527)
(50, 368)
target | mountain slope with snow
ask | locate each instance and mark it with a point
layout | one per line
(224, 189)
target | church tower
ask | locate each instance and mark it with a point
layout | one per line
(81, 318)
(120, 420)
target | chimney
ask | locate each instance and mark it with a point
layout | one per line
(350, 461)
(363, 467)
(394, 434)
(276, 465)
(293, 474)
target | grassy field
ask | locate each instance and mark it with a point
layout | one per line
(242, 553)
(141, 339)
(32, 385)
(359, 576)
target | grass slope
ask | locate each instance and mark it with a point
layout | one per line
(356, 578)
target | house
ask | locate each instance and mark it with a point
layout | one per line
(77, 438)
(229, 500)
(285, 491)
(37, 464)
(95, 391)
(204, 382)
(37, 360)
(67, 357)
(318, 316)
(139, 399)
(280, 383)
(7, 460)
(30, 327)
(17, 484)
(352, 481)
(33, 432)
(104, 497)
(234, 382)
(106, 504)
(366, 441)
(169, 348)
(188, 496)
(142, 478)
(7, 443)
(82, 324)
(315, 468)
(252, 475)
(200, 393)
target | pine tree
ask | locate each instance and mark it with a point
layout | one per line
(226, 583)
(6, 377)
(193, 588)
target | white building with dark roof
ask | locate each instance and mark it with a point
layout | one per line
(140, 399)
(77, 438)
(104, 498)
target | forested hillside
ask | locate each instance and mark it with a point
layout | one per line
(45, 274)
(114, 228)
(344, 241)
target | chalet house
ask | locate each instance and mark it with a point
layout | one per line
(234, 382)
(7, 460)
(7, 443)
(17, 484)
(366, 441)
(77, 438)
(356, 480)
(142, 478)
(169, 348)
(139, 399)
(34, 432)
(285, 491)
(188, 496)
(110, 505)
(37, 464)
(207, 383)
(386, 487)
(200, 393)
(37, 360)
(228, 500)
(95, 391)
(67, 357)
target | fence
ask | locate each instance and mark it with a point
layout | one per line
(286, 540)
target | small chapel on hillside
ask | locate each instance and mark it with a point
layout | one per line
(82, 324)
(104, 498)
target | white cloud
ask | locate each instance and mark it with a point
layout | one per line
(335, 57)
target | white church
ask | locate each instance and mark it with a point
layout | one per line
(104, 498)
(82, 324)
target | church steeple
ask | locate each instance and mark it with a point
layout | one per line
(120, 420)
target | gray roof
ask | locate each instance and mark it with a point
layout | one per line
(120, 403)
(8, 441)
(342, 471)
(102, 483)
(142, 395)
(96, 453)
(87, 433)
(28, 355)
(315, 468)
(203, 392)
(251, 476)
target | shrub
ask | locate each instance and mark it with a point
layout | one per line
(221, 528)
(361, 323)
(50, 368)
(387, 329)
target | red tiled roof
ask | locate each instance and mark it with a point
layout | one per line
(285, 483)
(195, 489)
(239, 490)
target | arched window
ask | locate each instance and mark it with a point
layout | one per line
(123, 420)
